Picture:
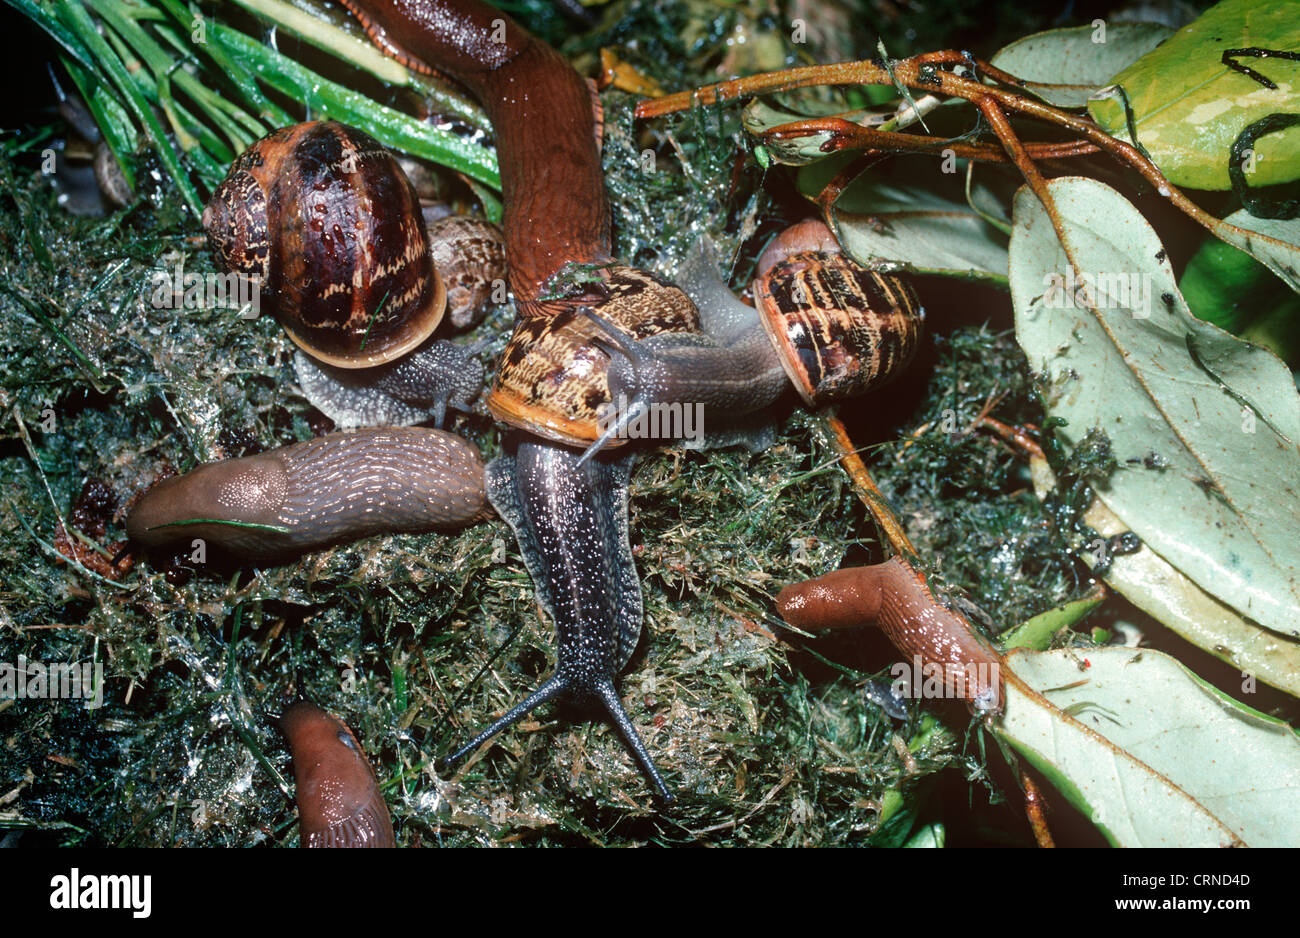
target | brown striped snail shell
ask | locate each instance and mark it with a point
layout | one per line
(324, 216)
(469, 253)
(840, 328)
(552, 379)
(326, 220)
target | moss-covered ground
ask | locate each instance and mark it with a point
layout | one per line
(765, 733)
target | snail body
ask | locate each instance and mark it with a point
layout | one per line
(324, 219)
(307, 496)
(339, 801)
(830, 326)
(893, 596)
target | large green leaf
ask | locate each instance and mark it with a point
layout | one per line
(1065, 67)
(1203, 425)
(1189, 107)
(1152, 754)
(1147, 580)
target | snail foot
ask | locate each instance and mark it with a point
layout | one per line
(419, 387)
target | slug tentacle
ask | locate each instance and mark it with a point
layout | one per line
(554, 687)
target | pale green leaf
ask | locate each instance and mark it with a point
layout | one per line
(931, 836)
(1037, 633)
(1147, 581)
(921, 232)
(1152, 754)
(1221, 415)
(1065, 67)
(1274, 242)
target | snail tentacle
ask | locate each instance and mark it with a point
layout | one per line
(556, 686)
(618, 716)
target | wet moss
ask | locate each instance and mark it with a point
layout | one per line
(764, 733)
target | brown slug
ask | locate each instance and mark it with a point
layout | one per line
(570, 520)
(324, 220)
(325, 491)
(895, 597)
(823, 322)
(339, 802)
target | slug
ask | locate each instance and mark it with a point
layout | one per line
(571, 525)
(339, 802)
(552, 186)
(570, 519)
(311, 495)
(893, 596)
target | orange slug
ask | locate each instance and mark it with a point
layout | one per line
(893, 596)
(339, 802)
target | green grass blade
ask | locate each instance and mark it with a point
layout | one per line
(327, 98)
(75, 17)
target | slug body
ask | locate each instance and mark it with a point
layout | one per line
(830, 326)
(893, 596)
(570, 519)
(571, 524)
(323, 218)
(339, 802)
(310, 495)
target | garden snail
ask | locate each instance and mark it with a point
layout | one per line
(895, 597)
(311, 495)
(325, 220)
(551, 378)
(339, 802)
(830, 326)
